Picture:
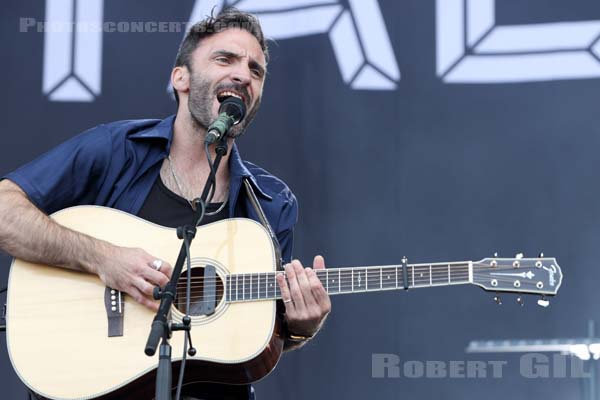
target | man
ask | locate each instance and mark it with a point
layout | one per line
(154, 169)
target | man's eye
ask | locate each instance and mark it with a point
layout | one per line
(222, 60)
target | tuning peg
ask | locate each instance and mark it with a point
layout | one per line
(520, 301)
(498, 300)
(543, 302)
(541, 255)
(519, 256)
(496, 254)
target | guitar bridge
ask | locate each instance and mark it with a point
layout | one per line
(113, 302)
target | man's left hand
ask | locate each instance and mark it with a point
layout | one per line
(306, 300)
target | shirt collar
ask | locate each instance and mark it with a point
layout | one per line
(162, 130)
(237, 168)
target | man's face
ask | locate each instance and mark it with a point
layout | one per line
(225, 64)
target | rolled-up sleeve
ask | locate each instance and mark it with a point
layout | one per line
(69, 174)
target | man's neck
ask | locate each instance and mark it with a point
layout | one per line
(188, 143)
(187, 153)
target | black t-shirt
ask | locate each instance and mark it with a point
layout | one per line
(163, 207)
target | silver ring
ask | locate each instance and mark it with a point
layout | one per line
(157, 264)
(287, 301)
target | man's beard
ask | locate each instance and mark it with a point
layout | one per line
(201, 99)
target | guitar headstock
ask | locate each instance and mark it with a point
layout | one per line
(540, 275)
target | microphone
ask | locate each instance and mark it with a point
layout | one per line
(231, 112)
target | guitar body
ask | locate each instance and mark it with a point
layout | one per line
(57, 324)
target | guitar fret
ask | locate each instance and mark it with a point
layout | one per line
(430, 276)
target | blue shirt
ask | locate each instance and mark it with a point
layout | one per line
(116, 164)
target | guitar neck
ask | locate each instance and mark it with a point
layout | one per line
(263, 286)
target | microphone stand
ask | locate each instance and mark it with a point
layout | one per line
(161, 328)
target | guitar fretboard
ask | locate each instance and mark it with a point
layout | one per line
(264, 286)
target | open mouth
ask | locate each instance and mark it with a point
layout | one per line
(222, 95)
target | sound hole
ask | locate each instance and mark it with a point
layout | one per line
(197, 291)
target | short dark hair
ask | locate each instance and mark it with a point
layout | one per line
(228, 18)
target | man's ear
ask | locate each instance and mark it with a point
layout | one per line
(180, 79)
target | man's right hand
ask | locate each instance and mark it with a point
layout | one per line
(131, 270)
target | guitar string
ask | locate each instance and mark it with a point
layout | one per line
(370, 282)
(347, 280)
(277, 295)
(346, 277)
(360, 270)
(425, 268)
(425, 273)
(440, 267)
(346, 288)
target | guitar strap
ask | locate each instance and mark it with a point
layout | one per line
(263, 220)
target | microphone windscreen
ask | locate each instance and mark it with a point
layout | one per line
(234, 108)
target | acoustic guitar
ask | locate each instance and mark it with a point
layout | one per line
(71, 337)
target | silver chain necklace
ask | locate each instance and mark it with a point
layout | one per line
(176, 179)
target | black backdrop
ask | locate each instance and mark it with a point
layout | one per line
(433, 170)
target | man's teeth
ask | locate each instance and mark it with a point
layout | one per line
(232, 94)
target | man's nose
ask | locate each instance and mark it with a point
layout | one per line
(241, 75)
